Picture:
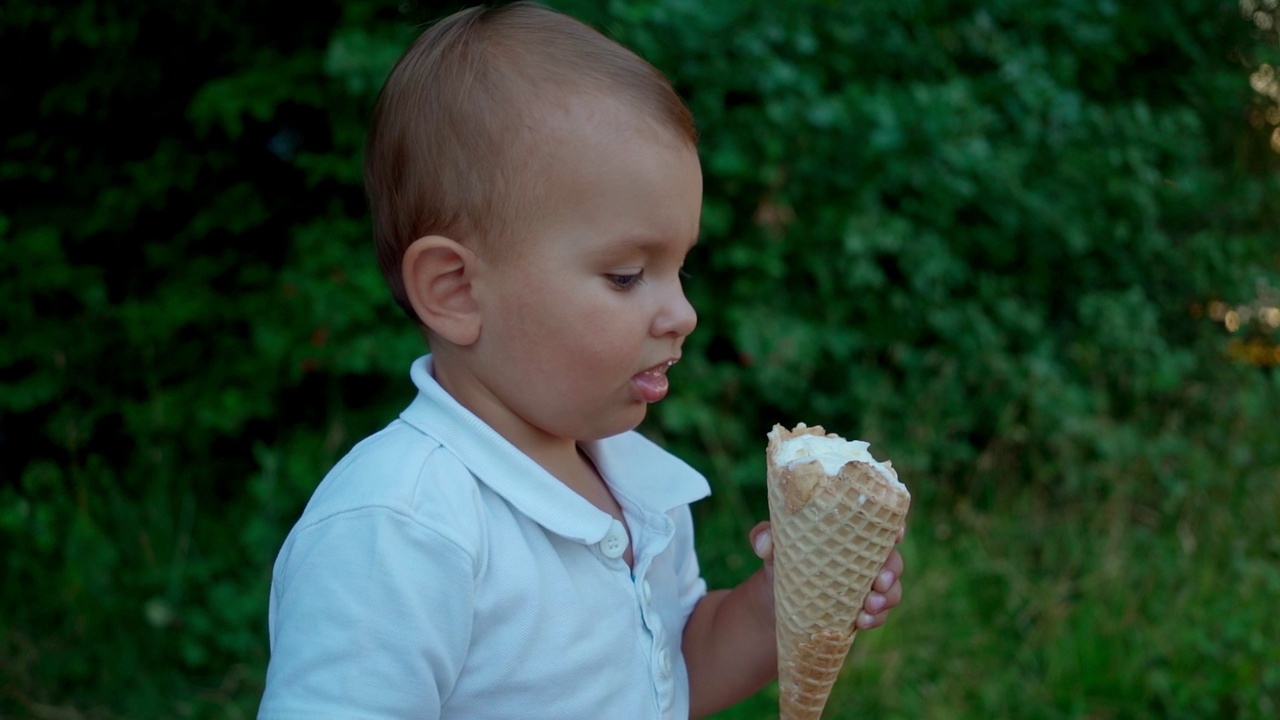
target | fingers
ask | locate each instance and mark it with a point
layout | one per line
(890, 573)
(886, 593)
(762, 540)
(877, 606)
(886, 590)
(867, 621)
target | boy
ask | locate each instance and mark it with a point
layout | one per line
(509, 548)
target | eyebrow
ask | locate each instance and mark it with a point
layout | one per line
(646, 244)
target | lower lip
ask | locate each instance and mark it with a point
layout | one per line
(651, 386)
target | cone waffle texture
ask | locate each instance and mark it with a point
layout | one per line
(831, 537)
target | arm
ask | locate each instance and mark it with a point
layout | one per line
(730, 643)
(370, 618)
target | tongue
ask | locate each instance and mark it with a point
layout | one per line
(652, 385)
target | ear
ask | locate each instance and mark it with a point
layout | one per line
(437, 275)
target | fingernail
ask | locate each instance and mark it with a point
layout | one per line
(762, 543)
(875, 602)
(886, 579)
(865, 619)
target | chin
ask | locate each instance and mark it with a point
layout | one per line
(625, 422)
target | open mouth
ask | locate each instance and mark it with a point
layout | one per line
(652, 384)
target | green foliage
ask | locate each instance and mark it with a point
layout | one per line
(982, 236)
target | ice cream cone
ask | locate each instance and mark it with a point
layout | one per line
(836, 515)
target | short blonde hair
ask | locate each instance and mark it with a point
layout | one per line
(447, 151)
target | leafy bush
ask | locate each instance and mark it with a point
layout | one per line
(1000, 241)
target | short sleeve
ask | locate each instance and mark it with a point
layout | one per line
(370, 618)
(688, 573)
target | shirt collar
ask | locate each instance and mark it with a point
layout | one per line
(631, 464)
(637, 468)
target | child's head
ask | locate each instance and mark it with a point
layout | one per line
(454, 145)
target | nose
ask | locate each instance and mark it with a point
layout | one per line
(676, 316)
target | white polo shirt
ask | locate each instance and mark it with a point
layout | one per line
(438, 572)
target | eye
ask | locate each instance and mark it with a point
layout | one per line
(628, 281)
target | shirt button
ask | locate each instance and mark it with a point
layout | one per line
(664, 664)
(614, 543)
(646, 592)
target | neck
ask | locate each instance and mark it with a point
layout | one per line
(557, 455)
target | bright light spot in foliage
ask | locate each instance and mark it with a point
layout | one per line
(1254, 324)
(1265, 15)
(1261, 14)
(1263, 80)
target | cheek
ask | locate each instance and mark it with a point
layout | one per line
(528, 310)
(575, 327)
(547, 323)
(593, 340)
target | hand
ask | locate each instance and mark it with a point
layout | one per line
(886, 591)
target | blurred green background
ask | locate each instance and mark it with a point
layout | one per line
(1030, 251)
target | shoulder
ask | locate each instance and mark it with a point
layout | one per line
(404, 473)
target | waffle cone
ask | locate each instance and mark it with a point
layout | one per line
(831, 537)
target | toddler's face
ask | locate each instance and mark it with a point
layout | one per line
(590, 308)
